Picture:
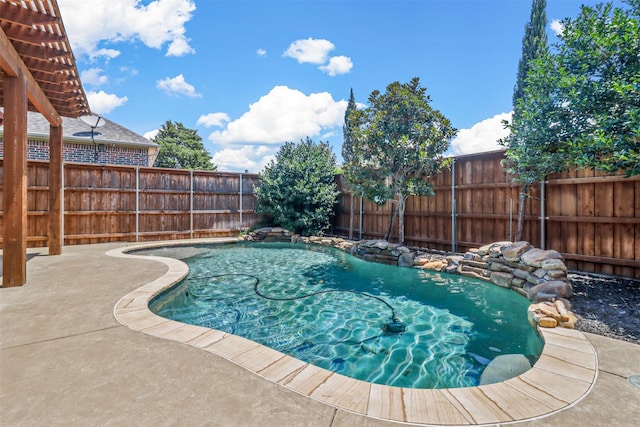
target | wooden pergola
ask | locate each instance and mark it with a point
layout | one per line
(38, 73)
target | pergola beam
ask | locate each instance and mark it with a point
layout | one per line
(13, 65)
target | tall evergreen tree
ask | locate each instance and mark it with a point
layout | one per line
(534, 46)
(347, 154)
(181, 148)
(347, 145)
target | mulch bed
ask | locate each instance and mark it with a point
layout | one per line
(607, 305)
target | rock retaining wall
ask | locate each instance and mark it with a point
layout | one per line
(540, 275)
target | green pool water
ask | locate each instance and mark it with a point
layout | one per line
(383, 324)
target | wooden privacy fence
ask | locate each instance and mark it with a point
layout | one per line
(125, 203)
(592, 218)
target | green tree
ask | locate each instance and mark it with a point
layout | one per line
(597, 91)
(534, 45)
(397, 142)
(181, 148)
(297, 191)
(347, 156)
(581, 103)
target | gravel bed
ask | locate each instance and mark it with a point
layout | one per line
(607, 305)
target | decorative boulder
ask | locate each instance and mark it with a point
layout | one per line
(504, 367)
(405, 259)
(493, 249)
(550, 290)
(535, 257)
(553, 264)
(515, 250)
(501, 279)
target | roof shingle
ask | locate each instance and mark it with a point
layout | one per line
(75, 130)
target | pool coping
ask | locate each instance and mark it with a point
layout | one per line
(563, 375)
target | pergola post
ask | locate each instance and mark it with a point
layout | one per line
(14, 202)
(56, 216)
(48, 83)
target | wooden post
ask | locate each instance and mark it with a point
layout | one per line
(14, 259)
(56, 216)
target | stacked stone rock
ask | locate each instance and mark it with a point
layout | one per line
(269, 234)
(540, 275)
(383, 252)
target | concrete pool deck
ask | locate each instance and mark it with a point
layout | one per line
(66, 360)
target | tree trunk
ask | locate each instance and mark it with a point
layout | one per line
(392, 220)
(522, 199)
(402, 203)
(353, 203)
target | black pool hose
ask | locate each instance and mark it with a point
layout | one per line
(395, 326)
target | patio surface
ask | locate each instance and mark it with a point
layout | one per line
(66, 360)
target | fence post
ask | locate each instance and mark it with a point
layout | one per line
(454, 219)
(361, 213)
(137, 201)
(191, 204)
(511, 219)
(240, 203)
(543, 213)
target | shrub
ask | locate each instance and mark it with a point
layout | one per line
(297, 191)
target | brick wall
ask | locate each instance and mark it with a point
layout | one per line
(87, 153)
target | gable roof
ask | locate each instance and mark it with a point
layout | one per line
(77, 131)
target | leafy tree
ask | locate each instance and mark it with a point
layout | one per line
(297, 191)
(526, 170)
(397, 142)
(181, 148)
(347, 155)
(597, 90)
(581, 103)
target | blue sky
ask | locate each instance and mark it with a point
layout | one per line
(251, 75)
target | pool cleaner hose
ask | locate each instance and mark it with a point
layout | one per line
(393, 327)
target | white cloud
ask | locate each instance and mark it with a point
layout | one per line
(246, 158)
(92, 23)
(151, 134)
(261, 52)
(213, 119)
(93, 77)
(557, 27)
(104, 103)
(177, 86)
(310, 50)
(283, 115)
(179, 47)
(337, 65)
(482, 136)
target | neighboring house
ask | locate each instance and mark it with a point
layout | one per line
(110, 143)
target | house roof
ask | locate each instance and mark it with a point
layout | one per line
(33, 30)
(77, 131)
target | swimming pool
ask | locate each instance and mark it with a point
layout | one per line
(382, 324)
